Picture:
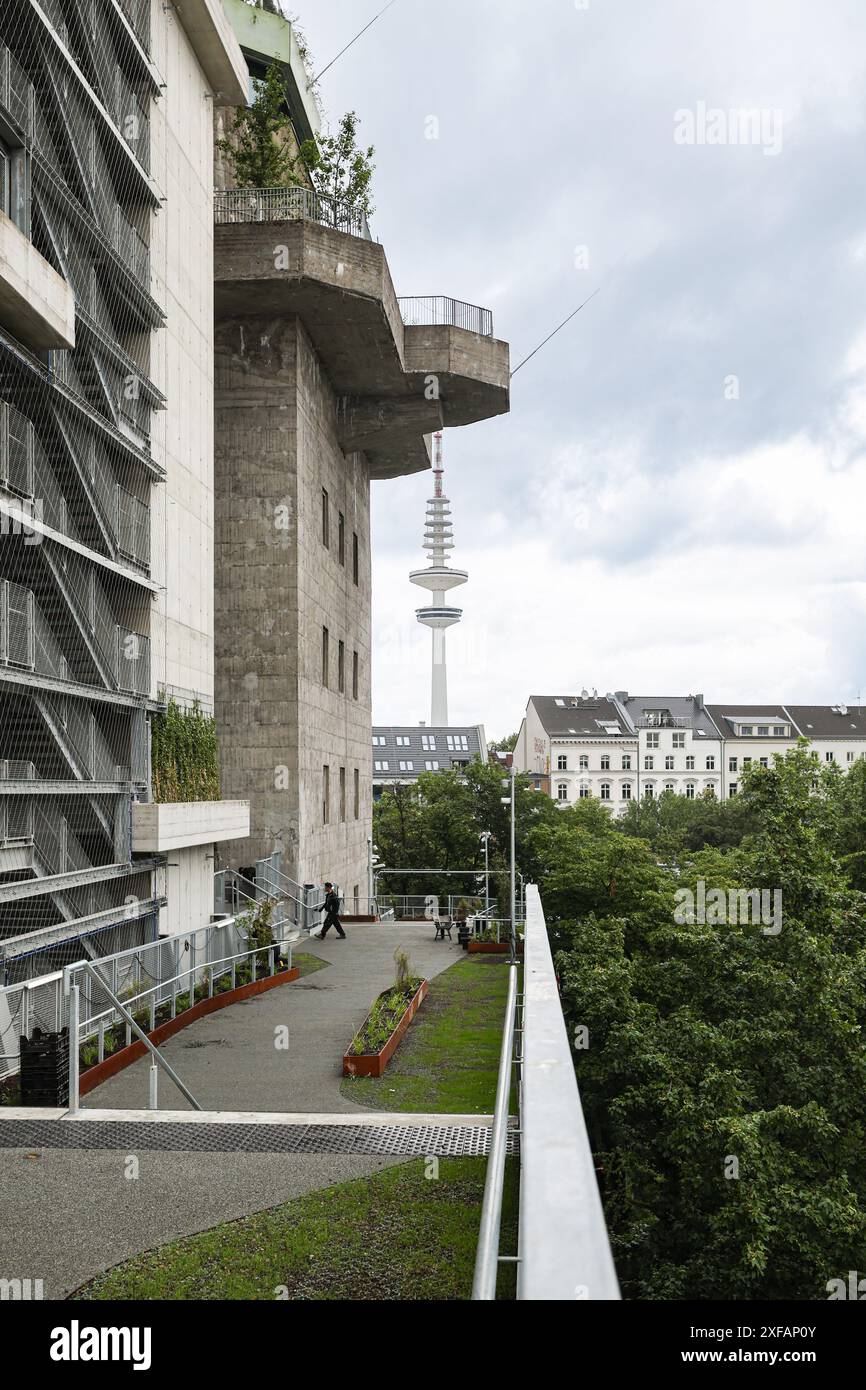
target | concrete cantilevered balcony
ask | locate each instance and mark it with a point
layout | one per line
(288, 251)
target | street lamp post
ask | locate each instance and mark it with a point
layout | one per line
(505, 800)
(485, 838)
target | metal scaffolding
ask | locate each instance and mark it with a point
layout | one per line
(76, 469)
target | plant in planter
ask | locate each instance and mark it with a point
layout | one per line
(376, 1040)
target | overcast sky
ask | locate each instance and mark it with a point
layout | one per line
(677, 501)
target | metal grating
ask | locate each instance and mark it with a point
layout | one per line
(411, 1141)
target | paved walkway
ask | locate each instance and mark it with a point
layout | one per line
(68, 1214)
(229, 1059)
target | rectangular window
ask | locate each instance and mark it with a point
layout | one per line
(326, 656)
(562, 791)
(379, 740)
(780, 730)
(357, 794)
(341, 667)
(669, 762)
(711, 763)
(432, 766)
(407, 766)
(679, 741)
(355, 562)
(732, 764)
(326, 520)
(403, 741)
(652, 740)
(428, 743)
(626, 791)
(763, 730)
(690, 763)
(648, 762)
(626, 762)
(605, 762)
(605, 791)
(732, 789)
(828, 758)
(342, 793)
(326, 793)
(562, 763)
(457, 743)
(584, 762)
(354, 675)
(746, 730)
(341, 539)
(381, 767)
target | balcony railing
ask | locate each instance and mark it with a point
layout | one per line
(238, 205)
(663, 721)
(421, 311)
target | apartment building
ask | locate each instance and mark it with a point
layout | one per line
(679, 746)
(106, 461)
(671, 743)
(326, 384)
(402, 752)
(579, 746)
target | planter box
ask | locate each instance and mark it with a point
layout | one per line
(95, 1075)
(374, 1063)
(492, 948)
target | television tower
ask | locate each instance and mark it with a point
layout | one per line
(439, 577)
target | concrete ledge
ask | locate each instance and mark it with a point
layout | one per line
(158, 827)
(214, 44)
(340, 287)
(36, 303)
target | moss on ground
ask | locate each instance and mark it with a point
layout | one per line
(406, 1233)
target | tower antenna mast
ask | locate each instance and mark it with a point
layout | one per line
(438, 577)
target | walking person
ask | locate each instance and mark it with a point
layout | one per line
(331, 909)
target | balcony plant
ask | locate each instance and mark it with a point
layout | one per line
(184, 755)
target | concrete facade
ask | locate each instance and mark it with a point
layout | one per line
(278, 587)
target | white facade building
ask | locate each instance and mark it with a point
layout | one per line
(620, 747)
(579, 746)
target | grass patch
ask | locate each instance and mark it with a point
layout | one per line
(307, 963)
(396, 1236)
(449, 1057)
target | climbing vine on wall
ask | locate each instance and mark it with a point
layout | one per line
(184, 755)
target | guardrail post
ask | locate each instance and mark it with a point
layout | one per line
(74, 1070)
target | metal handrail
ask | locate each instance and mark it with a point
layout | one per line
(240, 205)
(429, 310)
(564, 1250)
(487, 1254)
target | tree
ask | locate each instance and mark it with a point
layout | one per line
(260, 145)
(725, 1066)
(503, 745)
(341, 171)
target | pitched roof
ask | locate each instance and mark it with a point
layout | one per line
(723, 714)
(828, 721)
(576, 716)
(678, 707)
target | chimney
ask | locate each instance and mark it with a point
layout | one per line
(699, 701)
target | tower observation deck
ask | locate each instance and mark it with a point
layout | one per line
(439, 578)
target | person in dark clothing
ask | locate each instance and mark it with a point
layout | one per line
(331, 909)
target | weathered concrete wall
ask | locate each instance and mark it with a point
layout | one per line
(277, 586)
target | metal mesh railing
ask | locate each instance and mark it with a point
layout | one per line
(431, 310)
(155, 981)
(237, 205)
